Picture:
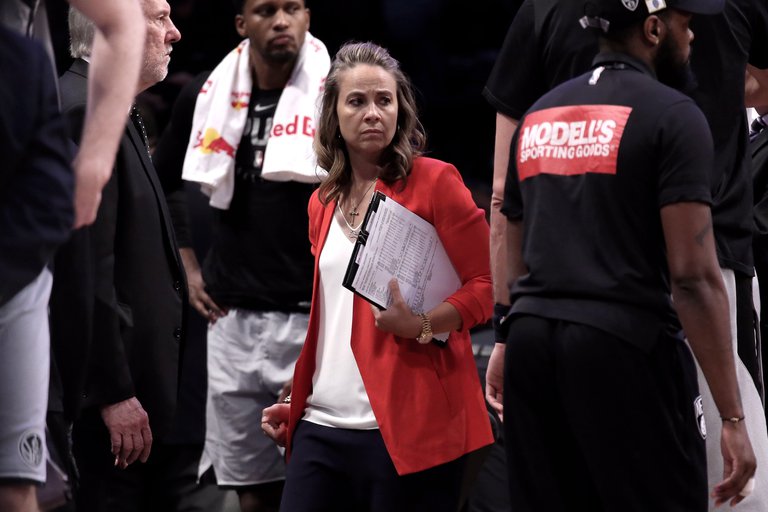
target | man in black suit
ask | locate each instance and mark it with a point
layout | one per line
(758, 152)
(117, 308)
(36, 214)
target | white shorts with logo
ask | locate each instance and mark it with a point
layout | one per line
(251, 355)
(754, 420)
(24, 370)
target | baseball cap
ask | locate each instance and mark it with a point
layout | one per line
(613, 14)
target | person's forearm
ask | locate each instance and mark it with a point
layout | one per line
(113, 74)
(514, 268)
(702, 305)
(505, 129)
(444, 318)
(699, 296)
(189, 260)
(112, 85)
(499, 268)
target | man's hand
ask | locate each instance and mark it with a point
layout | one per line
(198, 297)
(398, 318)
(129, 431)
(494, 380)
(739, 463)
(274, 422)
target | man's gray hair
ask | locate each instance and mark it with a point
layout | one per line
(81, 30)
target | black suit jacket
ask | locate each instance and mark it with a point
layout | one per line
(758, 150)
(117, 308)
(36, 181)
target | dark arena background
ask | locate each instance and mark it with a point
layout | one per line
(447, 47)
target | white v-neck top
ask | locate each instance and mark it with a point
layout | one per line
(338, 396)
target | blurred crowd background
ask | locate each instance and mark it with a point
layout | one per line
(447, 47)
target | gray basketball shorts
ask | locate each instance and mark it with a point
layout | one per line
(24, 370)
(251, 355)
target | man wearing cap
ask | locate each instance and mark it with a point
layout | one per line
(608, 196)
(545, 46)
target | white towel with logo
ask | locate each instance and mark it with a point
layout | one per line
(221, 112)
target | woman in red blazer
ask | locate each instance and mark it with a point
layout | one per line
(379, 417)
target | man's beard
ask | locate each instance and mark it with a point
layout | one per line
(672, 72)
(153, 72)
(279, 56)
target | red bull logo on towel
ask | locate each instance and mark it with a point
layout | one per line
(569, 141)
(240, 99)
(213, 142)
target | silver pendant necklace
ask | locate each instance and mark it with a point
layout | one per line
(354, 212)
(353, 232)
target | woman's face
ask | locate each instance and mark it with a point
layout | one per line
(367, 109)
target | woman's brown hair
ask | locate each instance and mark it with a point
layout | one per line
(409, 139)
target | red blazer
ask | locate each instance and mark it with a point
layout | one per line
(427, 400)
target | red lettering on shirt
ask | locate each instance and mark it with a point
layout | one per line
(306, 127)
(569, 141)
(303, 126)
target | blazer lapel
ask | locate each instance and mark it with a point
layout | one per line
(80, 67)
(759, 144)
(137, 140)
(325, 226)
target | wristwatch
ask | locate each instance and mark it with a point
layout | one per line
(426, 329)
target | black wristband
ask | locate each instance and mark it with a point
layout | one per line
(500, 322)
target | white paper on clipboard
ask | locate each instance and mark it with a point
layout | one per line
(395, 242)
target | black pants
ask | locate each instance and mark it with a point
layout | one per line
(340, 470)
(593, 423)
(748, 335)
(167, 482)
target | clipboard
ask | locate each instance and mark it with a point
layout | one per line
(395, 242)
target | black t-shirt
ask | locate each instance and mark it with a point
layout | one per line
(546, 45)
(260, 257)
(722, 47)
(593, 165)
(249, 158)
